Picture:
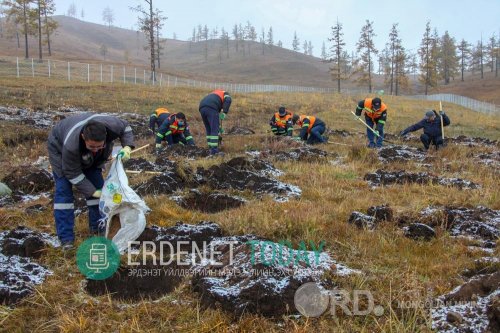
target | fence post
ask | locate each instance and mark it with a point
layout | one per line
(144, 77)
(176, 81)
(69, 72)
(17, 66)
(111, 73)
(88, 73)
(154, 77)
(124, 74)
(135, 75)
(32, 67)
(168, 81)
(49, 68)
(101, 73)
(161, 78)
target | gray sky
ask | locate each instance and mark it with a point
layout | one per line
(312, 19)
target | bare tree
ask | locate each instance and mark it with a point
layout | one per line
(448, 60)
(428, 61)
(323, 52)
(270, 38)
(310, 48)
(465, 51)
(158, 22)
(295, 42)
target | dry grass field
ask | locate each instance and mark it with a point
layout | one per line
(394, 268)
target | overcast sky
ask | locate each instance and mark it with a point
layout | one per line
(312, 19)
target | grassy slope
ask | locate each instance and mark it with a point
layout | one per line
(396, 268)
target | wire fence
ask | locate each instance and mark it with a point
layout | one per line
(112, 73)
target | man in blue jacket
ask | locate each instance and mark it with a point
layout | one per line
(432, 128)
(79, 146)
(213, 108)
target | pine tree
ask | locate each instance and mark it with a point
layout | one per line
(465, 52)
(310, 48)
(367, 50)
(305, 47)
(448, 64)
(108, 16)
(336, 51)
(323, 52)
(279, 44)
(491, 52)
(270, 38)
(394, 48)
(21, 12)
(72, 10)
(295, 42)
(204, 34)
(236, 36)
(428, 68)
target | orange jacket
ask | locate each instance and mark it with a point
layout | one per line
(312, 119)
(372, 113)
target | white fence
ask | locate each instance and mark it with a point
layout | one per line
(108, 73)
(466, 102)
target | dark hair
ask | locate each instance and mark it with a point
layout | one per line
(295, 118)
(180, 115)
(94, 131)
(282, 110)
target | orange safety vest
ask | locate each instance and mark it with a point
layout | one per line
(372, 113)
(160, 111)
(281, 121)
(312, 119)
(174, 127)
(219, 93)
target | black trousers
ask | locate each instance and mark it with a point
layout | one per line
(427, 140)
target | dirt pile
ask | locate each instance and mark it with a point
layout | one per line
(301, 154)
(262, 278)
(169, 181)
(138, 282)
(472, 142)
(382, 177)
(18, 273)
(374, 216)
(238, 174)
(491, 159)
(393, 153)
(362, 221)
(29, 180)
(141, 164)
(237, 130)
(178, 150)
(474, 306)
(211, 202)
(341, 133)
(419, 231)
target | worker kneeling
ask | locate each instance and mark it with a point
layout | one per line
(432, 128)
(174, 130)
(281, 122)
(312, 128)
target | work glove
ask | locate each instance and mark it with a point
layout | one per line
(441, 113)
(221, 130)
(222, 116)
(297, 138)
(356, 117)
(159, 146)
(380, 127)
(97, 194)
(124, 153)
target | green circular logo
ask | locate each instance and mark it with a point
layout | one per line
(98, 258)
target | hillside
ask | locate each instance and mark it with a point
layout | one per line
(81, 41)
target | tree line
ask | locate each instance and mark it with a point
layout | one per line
(29, 18)
(439, 58)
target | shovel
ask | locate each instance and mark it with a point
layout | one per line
(371, 129)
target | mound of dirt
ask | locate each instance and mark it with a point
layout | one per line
(480, 223)
(236, 130)
(141, 164)
(185, 151)
(362, 221)
(25, 242)
(169, 181)
(393, 153)
(382, 177)
(475, 303)
(136, 283)
(419, 231)
(29, 180)
(18, 273)
(302, 154)
(381, 213)
(200, 233)
(212, 202)
(342, 133)
(235, 175)
(490, 159)
(258, 282)
(473, 142)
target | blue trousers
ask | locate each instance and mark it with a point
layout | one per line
(371, 135)
(210, 119)
(316, 135)
(64, 205)
(427, 140)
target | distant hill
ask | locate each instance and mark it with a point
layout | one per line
(81, 41)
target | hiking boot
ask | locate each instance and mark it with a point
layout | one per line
(371, 145)
(67, 246)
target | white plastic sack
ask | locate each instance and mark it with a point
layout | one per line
(118, 198)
